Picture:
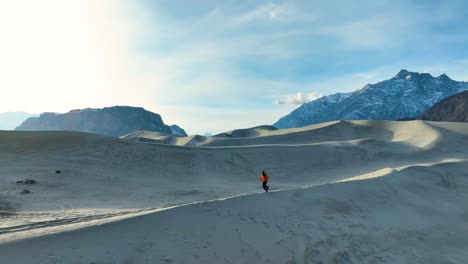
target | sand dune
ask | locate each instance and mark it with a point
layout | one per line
(414, 132)
(352, 192)
(248, 132)
(413, 216)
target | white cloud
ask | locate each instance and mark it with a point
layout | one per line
(428, 70)
(269, 12)
(261, 12)
(298, 99)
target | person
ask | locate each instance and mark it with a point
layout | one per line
(264, 180)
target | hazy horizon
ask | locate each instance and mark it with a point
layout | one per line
(207, 68)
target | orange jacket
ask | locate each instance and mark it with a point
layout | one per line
(264, 178)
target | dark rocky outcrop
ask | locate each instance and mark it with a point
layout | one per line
(178, 131)
(451, 109)
(27, 181)
(111, 121)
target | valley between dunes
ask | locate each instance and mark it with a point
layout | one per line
(343, 192)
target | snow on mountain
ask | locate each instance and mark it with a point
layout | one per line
(407, 94)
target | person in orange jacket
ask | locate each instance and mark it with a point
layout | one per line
(264, 180)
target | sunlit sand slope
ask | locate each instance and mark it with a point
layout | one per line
(374, 186)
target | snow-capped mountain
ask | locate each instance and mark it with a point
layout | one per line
(408, 94)
(317, 111)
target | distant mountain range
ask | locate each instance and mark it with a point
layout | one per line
(408, 94)
(452, 109)
(178, 131)
(112, 121)
(10, 120)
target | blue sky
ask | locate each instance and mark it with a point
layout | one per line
(220, 65)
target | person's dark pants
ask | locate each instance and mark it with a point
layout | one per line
(265, 187)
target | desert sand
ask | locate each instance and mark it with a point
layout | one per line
(343, 192)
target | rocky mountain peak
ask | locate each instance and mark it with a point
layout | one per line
(444, 77)
(110, 121)
(407, 94)
(402, 74)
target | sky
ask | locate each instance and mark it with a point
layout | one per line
(214, 66)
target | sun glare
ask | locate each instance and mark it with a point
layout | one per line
(67, 51)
